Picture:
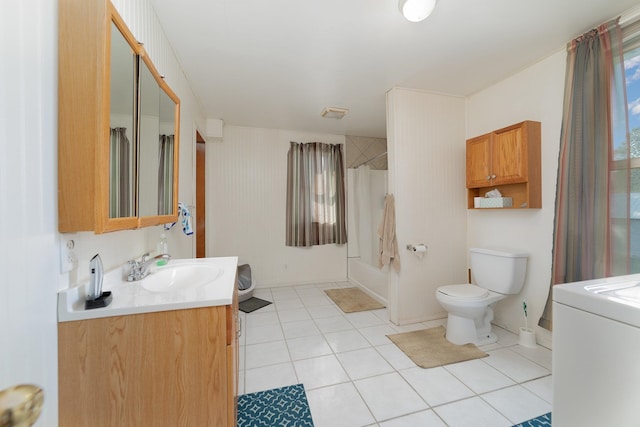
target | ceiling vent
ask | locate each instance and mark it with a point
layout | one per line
(334, 112)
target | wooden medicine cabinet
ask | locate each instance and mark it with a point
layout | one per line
(507, 159)
(118, 126)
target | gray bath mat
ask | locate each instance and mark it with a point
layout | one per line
(252, 304)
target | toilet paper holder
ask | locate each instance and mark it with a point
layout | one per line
(420, 247)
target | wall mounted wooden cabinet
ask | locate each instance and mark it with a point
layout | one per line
(507, 159)
(118, 126)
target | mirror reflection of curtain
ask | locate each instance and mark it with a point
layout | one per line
(120, 174)
(165, 175)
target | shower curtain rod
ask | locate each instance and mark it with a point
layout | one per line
(371, 160)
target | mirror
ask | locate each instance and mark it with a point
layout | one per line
(122, 136)
(158, 145)
(167, 175)
(149, 119)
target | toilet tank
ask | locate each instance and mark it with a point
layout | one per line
(498, 270)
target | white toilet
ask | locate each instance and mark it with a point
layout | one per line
(496, 274)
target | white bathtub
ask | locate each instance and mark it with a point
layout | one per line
(371, 279)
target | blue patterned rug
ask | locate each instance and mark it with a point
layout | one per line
(541, 421)
(285, 406)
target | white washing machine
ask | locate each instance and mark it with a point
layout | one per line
(596, 353)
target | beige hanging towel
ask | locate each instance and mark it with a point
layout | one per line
(388, 253)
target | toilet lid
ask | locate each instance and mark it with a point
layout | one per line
(464, 291)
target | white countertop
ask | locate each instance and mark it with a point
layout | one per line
(133, 298)
(607, 297)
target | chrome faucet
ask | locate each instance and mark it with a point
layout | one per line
(138, 270)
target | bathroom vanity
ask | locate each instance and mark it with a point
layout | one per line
(164, 353)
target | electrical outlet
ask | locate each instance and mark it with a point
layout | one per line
(67, 255)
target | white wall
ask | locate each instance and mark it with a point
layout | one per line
(533, 94)
(29, 254)
(246, 200)
(426, 145)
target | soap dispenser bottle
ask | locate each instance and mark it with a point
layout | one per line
(163, 249)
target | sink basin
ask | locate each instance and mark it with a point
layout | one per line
(181, 276)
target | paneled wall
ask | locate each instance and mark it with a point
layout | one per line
(246, 200)
(426, 144)
(535, 93)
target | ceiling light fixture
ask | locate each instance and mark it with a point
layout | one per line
(334, 112)
(416, 10)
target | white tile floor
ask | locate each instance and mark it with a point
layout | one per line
(355, 376)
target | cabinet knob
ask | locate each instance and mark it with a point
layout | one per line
(488, 177)
(493, 177)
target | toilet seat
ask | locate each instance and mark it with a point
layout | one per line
(464, 292)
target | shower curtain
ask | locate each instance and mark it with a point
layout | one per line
(362, 208)
(367, 189)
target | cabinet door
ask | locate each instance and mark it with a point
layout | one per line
(158, 148)
(122, 134)
(116, 151)
(478, 161)
(508, 157)
(165, 368)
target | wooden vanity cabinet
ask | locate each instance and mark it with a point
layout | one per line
(507, 159)
(167, 368)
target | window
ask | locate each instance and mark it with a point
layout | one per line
(620, 165)
(315, 195)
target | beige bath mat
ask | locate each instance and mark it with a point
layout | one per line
(429, 348)
(351, 300)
